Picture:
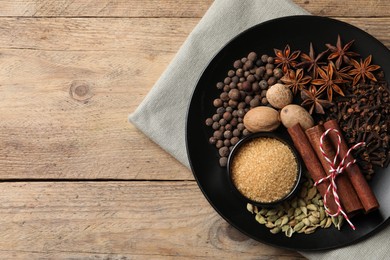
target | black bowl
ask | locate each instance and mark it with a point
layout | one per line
(248, 139)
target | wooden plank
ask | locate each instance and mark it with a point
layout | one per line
(64, 115)
(131, 36)
(171, 8)
(64, 107)
(119, 219)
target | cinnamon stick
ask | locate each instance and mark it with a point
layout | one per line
(363, 190)
(312, 163)
(348, 197)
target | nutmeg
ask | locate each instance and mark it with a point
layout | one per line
(279, 96)
(293, 114)
(261, 119)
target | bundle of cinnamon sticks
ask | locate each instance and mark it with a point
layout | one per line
(354, 192)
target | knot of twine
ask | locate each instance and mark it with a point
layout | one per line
(334, 171)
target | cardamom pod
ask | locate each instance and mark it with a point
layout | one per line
(272, 218)
(310, 230)
(259, 218)
(249, 207)
(312, 207)
(300, 217)
(269, 224)
(290, 212)
(322, 214)
(301, 203)
(311, 192)
(335, 221)
(299, 226)
(315, 214)
(306, 221)
(297, 211)
(271, 212)
(284, 220)
(328, 222)
(263, 211)
(289, 232)
(294, 203)
(304, 210)
(276, 230)
(314, 220)
(278, 222)
(303, 192)
(322, 223)
(285, 227)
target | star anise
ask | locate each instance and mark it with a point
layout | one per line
(328, 82)
(362, 70)
(312, 61)
(342, 73)
(341, 53)
(296, 80)
(285, 58)
(312, 98)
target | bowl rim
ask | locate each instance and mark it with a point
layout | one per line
(249, 138)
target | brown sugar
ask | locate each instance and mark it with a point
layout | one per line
(264, 170)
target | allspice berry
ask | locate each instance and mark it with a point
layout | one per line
(234, 94)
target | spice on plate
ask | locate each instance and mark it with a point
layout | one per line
(264, 170)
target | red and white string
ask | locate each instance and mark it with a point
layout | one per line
(334, 171)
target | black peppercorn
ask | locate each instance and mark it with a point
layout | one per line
(227, 116)
(278, 73)
(217, 102)
(212, 140)
(220, 85)
(228, 134)
(209, 121)
(251, 78)
(237, 64)
(218, 134)
(234, 140)
(246, 86)
(235, 94)
(263, 84)
(224, 96)
(271, 81)
(260, 71)
(252, 56)
(254, 102)
(223, 161)
(240, 72)
(216, 117)
(264, 58)
(223, 121)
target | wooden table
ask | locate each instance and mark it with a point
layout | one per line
(79, 181)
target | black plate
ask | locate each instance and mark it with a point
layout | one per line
(298, 31)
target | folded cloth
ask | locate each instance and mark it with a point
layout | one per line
(162, 114)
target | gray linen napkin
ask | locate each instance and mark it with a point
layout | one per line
(162, 114)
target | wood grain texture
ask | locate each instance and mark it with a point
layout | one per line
(67, 106)
(70, 73)
(171, 8)
(67, 86)
(140, 220)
